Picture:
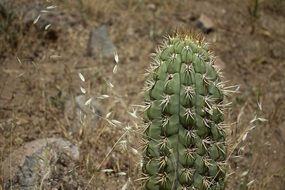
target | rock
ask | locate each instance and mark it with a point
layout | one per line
(35, 162)
(41, 15)
(205, 24)
(53, 21)
(99, 44)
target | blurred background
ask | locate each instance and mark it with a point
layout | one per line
(71, 79)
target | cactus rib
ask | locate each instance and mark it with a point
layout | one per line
(185, 143)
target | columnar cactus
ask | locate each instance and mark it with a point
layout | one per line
(185, 143)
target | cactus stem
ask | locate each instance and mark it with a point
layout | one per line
(184, 116)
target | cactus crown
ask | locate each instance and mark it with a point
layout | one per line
(185, 144)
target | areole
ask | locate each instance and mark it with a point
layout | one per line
(185, 143)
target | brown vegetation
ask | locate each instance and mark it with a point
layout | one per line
(39, 68)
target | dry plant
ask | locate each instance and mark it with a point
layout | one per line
(127, 131)
(245, 122)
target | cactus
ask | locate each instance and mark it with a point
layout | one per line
(185, 143)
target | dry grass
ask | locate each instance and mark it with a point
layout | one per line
(36, 88)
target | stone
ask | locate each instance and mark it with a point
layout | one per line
(54, 21)
(27, 167)
(99, 43)
(43, 17)
(205, 24)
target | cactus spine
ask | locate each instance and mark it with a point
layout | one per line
(185, 144)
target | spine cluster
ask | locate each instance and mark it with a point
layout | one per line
(185, 143)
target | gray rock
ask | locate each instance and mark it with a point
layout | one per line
(54, 21)
(41, 15)
(27, 167)
(99, 44)
(205, 24)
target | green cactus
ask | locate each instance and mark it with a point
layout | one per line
(185, 143)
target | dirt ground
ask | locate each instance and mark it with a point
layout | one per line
(39, 77)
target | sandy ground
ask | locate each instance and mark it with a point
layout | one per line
(39, 77)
